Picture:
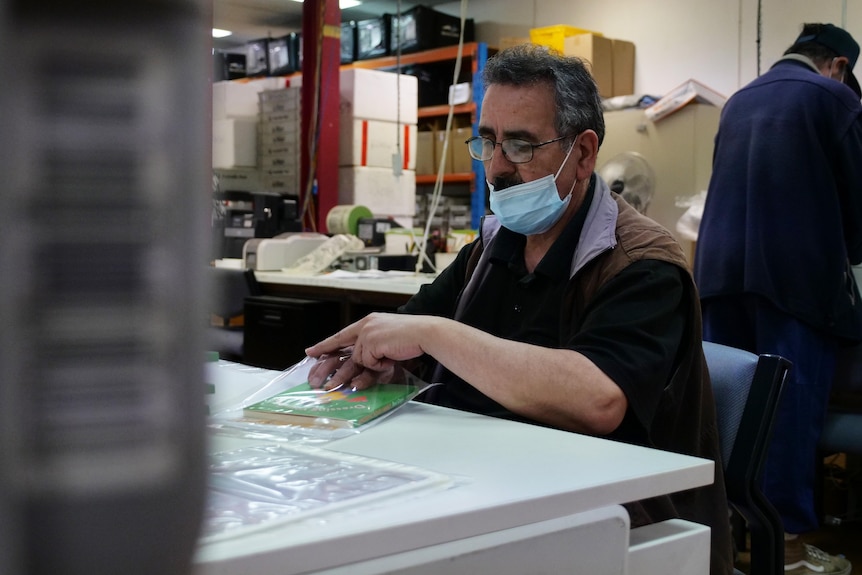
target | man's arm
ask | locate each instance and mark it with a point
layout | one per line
(625, 349)
(559, 387)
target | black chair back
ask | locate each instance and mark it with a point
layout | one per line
(747, 388)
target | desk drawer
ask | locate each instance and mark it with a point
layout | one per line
(277, 330)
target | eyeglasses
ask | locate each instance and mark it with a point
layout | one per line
(515, 150)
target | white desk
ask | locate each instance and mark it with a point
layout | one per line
(393, 283)
(552, 492)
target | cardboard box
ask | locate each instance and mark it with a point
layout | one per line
(235, 143)
(374, 95)
(597, 51)
(461, 160)
(373, 143)
(623, 67)
(425, 153)
(555, 36)
(422, 28)
(509, 41)
(439, 142)
(457, 160)
(378, 189)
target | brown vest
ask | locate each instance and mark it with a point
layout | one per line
(685, 421)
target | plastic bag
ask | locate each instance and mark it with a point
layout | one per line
(688, 224)
(354, 409)
(261, 486)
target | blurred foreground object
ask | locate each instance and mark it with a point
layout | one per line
(104, 131)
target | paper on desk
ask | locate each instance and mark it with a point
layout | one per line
(369, 274)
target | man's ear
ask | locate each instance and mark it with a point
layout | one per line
(587, 146)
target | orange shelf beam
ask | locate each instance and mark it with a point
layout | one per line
(433, 55)
(430, 179)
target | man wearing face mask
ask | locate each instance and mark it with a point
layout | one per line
(782, 225)
(571, 310)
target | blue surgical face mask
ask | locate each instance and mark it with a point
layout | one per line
(532, 207)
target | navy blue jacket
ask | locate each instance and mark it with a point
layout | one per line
(783, 215)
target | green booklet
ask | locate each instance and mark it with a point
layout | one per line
(308, 407)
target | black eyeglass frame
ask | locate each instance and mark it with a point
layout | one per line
(502, 142)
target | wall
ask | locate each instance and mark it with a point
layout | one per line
(714, 41)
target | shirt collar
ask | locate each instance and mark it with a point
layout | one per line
(799, 58)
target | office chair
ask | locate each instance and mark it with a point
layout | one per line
(842, 429)
(842, 432)
(746, 389)
(230, 287)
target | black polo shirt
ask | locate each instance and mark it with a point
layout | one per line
(631, 330)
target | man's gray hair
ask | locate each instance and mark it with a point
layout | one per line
(579, 106)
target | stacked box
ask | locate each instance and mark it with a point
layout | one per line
(425, 152)
(597, 52)
(555, 36)
(235, 123)
(278, 140)
(381, 190)
(378, 95)
(422, 27)
(283, 56)
(234, 143)
(373, 37)
(611, 61)
(348, 42)
(378, 139)
(457, 159)
(374, 142)
(624, 67)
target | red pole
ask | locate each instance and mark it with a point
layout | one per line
(321, 61)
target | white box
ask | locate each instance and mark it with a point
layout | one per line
(373, 143)
(374, 95)
(233, 99)
(281, 181)
(238, 179)
(235, 143)
(283, 100)
(378, 189)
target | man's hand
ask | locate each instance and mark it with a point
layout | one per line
(366, 351)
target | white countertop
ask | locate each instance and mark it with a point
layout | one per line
(505, 475)
(384, 282)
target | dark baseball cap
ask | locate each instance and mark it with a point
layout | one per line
(842, 43)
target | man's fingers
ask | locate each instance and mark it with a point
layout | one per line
(344, 338)
(364, 379)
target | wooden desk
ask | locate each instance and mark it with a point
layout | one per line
(522, 494)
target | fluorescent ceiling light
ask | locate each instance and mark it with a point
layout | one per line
(221, 33)
(343, 3)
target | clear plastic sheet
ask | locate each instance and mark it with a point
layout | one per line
(227, 416)
(263, 486)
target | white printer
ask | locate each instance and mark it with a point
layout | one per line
(266, 254)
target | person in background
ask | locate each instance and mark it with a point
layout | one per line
(571, 310)
(781, 226)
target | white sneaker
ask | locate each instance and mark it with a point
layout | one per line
(809, 560)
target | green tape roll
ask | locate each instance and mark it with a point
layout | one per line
(345, 219)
